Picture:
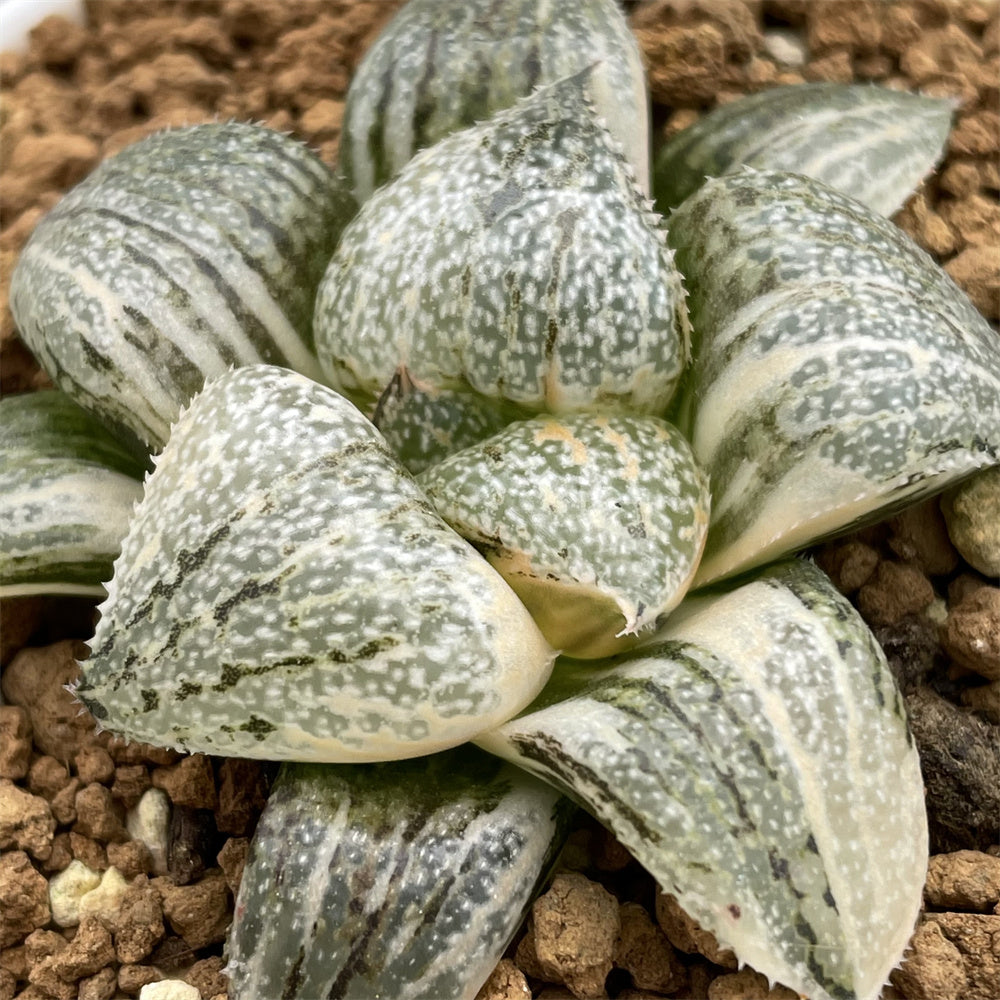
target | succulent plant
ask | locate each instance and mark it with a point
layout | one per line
(239, 624)
(838, 372)
(189, 252)
(596, 522)
(872, 143)
(440, 67)
(67, 490)
(516, 258)
(508, 310)
(453, 846)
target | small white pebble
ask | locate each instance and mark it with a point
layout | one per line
(104, 901)
(169, 989)
(149, 821)
(785, 47)
(67, 889)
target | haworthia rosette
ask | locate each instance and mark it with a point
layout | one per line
(287, 592)
(191, 251)
(67, 491)
(872, 143)
(597, 522)
(440, 67)
(757, 761)
(837, 372)
(404, 880)
(517, 258)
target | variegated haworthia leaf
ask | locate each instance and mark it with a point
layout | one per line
(67, 490)
(424, 423)
(597, 522)
(757, 761)
(837, 371)
(287, 592)
(440, 67)
(404, 880)
(192, 251)
(517, 257)
(872, 143)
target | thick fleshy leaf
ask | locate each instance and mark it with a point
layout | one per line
(287, 592)
(67, 491)
(597, 522)
(517, 258)
(872, 143)
(423, 424)
(440, 67)
(837, 371)
(190, 252)
(756, 760)
(404, 880)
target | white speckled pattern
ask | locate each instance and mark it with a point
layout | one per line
(191, 251)
(837, 373)
(517, 257)
(287, 592)
(597, 522)
(756, 760)
(439, 67)
(872, 143)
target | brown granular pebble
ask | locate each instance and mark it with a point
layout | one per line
(748, 985)
(576, 925)
(24, 898)
(199, 912)
(189, 782)
(94, 763)
(977, 938)
(895, 590)
(686, 935)
(645, 953)
(140, 924)
(232, 859)
(933, 968)
(972, 632)
(506, 982)
(98, 815)
(36, 679)
(963, 880)
(15, 742)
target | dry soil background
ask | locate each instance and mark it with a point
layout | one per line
(87, 909)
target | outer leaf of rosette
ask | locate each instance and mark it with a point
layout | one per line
(287, 592)
(872, 143)
(517, 257)
(596, 521)
(440, 67)
(757, 761)
(67, 492)
(403, 880)
(192, 251)
(837, 372)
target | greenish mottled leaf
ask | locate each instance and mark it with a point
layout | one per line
(756, 760)
(517, 258)
(872, 143)
(67, 490)
(287, 592)
(597, 522)
(192, 251)
(404, 880)
(837, 373)
(440, 67)
(424, 423)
